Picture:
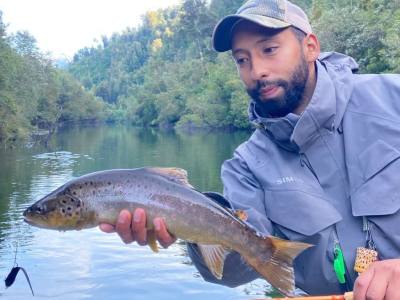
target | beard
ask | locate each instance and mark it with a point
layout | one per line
(291, 98)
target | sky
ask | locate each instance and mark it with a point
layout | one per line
(62, 27)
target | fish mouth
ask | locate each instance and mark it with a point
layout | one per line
(35, 222)
(28, 220)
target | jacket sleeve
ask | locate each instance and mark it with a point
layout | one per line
(243, 192)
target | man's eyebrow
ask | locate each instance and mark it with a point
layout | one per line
(261, 40)
(266, 39)
(236, 51)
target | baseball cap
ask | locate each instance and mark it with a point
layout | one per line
(268, 13)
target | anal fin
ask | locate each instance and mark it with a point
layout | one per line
(214, 258)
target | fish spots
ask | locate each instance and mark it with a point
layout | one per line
(69, 207)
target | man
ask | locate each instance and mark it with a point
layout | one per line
(322, 166)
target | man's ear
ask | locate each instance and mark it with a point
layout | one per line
(312, 48)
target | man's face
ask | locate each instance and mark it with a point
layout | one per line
(272, 66)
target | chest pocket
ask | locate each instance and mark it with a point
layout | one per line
(379, 194)
(300, 211)
(378, 197)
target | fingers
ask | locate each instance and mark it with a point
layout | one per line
(362, 283)
(162, 234)
(129, 228)
(380, 281)
(123, 226)
(133, 228)
(107, 228)
(392, 291)
(377, 287)
(139, 226)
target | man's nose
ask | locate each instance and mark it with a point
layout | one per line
(259, 70)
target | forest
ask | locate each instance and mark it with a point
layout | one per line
(164, 73)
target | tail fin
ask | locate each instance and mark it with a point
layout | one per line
(278, 269)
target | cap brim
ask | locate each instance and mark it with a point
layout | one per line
(222, 32)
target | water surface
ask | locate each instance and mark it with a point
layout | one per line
(90, 264)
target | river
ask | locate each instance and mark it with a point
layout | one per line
(89, 264)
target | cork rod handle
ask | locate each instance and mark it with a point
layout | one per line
(346, 296)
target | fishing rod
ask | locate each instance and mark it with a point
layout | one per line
(346, 296)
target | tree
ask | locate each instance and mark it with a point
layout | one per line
(2, 27)
(362, 29)
(25, 44)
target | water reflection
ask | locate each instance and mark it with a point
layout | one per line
(89, 264)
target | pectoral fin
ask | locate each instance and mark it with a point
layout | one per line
(152, 241)
(214, 257)
(241, 214)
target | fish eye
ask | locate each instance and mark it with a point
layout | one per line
(38, 209)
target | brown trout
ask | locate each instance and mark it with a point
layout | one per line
(99, 197)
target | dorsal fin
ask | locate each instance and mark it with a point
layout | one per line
(177, 175)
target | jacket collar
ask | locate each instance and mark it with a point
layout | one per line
(324, 111)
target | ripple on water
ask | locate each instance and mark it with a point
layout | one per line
(90, 264)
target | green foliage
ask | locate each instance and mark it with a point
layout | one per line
(34, 94)
(367, 30)
(223, 8)
(24, 44)
(165, 73)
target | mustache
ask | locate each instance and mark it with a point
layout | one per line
(270, 83)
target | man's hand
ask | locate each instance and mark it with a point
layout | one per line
(134, 229)
(380, 281)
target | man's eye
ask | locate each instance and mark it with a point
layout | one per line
(241, 60)
(270, 50)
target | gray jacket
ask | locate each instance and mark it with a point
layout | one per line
(313, 177)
